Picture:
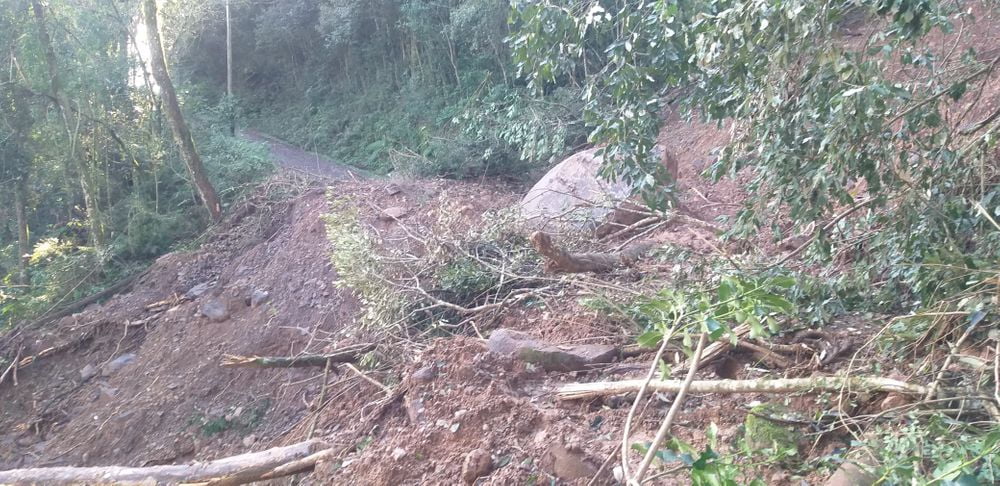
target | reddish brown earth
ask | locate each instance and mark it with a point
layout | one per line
(173, 403)
(453, 401)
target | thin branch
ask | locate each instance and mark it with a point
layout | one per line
(661, 434)
(578, 391)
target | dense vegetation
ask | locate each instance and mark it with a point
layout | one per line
(93, 183)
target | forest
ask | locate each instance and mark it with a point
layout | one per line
(807, 204)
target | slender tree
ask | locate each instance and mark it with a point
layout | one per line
(182, 134)
(87, 182)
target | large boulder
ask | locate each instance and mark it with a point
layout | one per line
(573, 196)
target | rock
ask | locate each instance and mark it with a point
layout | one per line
(850, 474)
(768, 435)
(198, 290)
(118, 363)
(618, 473)
(550, 358)
(258, 297)
(893, 400)
(215, 309)
(567, 465)
(477, 464)
(393, 213)
(398, 453)
(249, 440)
(392, 189)
(415, 411)
(88, 372)
(573, 194)
(425, 374)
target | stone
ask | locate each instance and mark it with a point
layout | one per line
(88, 372)
(398, 453)
(425, 374)
(477, 464)
(258, 297)
(768, 435)
(573, 195)
(118, 363)
(198, 290)
(567, 465)
(549, 357)
(215, 309)
(249, 440)
(393, 213)
(851, 474)
(415, 411)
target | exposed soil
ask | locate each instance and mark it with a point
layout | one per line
(172, 402)
(136, 380)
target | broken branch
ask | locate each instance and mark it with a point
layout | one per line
(344, 355)
(239, 469)
(561, 261)
(577, 391)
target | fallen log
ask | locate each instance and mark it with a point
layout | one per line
(559, 260)
(344, 355)
(577, 391)
(239, 469)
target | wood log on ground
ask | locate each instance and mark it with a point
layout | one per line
(559, 260)
(577, 391)
(343, 355)
(239, 469)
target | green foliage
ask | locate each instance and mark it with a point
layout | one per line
(355, 256)
(465, 279)
(763, 436)
(705, 467)
(937, 450)
(238, 419)
(734, 302)
(847, 123)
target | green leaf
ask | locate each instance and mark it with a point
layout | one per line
(650, 339)
(715, 329)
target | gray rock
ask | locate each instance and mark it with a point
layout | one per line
(415, 411)
(259, 297)
(549, 357)
(393, 213)
(425, 374)
(398, 453)
(566, 464)
(477, 463)
(88, 372)
(215, 309)
(198, 290)
(118, 363)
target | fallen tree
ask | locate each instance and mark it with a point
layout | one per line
(233, 470)
(343, 355)
(577, 391)
(561, 261)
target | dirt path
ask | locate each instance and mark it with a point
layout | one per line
(294, 158)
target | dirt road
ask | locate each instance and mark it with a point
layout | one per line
(294, 158)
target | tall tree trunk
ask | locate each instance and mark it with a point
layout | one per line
(229, 73)
(23, 247)
(182, 134)
(87, 184)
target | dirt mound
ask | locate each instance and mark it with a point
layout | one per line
(137, 380)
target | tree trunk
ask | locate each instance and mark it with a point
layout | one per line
(23, 247)
(233, 470)
(62, 104)
(182, 134)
